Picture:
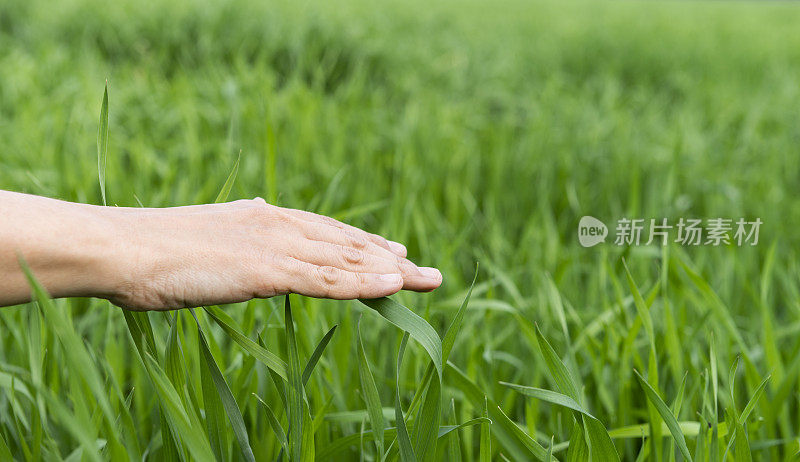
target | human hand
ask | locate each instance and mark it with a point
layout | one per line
(224, 253)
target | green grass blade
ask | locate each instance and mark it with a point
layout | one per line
(667, 415)
(274, 424)
(214, 410)
(486, 437)
(655, 420)
(419, 393)
(36, 348)
(410, 322)
(72, 423)
(142, 340)
(294, 391)
(172, 357)
(427, 421)
(445, 430)
(226, 188)
(226, 398)
(280, 385)
(741, 445)
(371, 397)
(266, 357)
(678, 402)
(454, 442)
(403, 440)
(5, 453)
(716, 304)
(307, 454)
(712, 354)
(336, 447)
(176, 374)
(768, 337)
(75, 352)
(141, 332)
(512, 438)
(102, 144)
(455, 325)
(731, 383)
(601, 445)
(312, 361)
(558, 371)
(690, 429)
(578, 448)
(22, 428)
(549, 396)
(177, 416)
(641, 307)
(500, 417)
(170, 450)
(754, 399)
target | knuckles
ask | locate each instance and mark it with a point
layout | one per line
(328, 275)
(285, 264)
(353, 256)
(403, 265)
(356, 242)
(267, 216)
(332, 282)
(282, 218)
(330, 221)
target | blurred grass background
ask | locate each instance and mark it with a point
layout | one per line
(471, 131)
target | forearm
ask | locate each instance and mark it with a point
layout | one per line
(69, 247)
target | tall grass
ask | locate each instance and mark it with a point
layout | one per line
(470, 132)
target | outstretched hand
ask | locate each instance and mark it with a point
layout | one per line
(231, 252)
(178, 257)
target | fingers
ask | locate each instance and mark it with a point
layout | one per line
(347, 252)
(427, 280)
(394, 247)
(330, 282)
(360, 261)
(322, 232)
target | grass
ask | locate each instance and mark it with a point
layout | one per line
(471, 132)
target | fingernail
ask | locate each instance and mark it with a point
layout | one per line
(432, 273)
(390, 278)
(398, 248)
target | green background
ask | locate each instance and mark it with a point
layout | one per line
(470, 131)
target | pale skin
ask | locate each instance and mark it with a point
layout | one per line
(179, 257)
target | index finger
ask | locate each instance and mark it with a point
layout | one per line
(394, 247)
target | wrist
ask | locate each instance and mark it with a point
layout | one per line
(140, 256)
(121, 238)
(106, 242)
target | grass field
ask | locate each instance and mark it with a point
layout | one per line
(472, 132)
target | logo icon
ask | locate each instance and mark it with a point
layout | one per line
(591, 231)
